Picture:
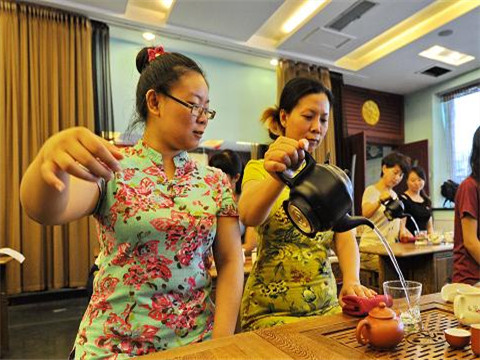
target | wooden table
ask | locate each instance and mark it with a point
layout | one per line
(429, 264)
(3, 304)
(327, 337)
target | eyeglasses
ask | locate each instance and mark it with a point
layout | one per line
(195, 109)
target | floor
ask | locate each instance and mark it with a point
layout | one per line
(44, 330)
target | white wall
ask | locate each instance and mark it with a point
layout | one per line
(423, 121)
(239, 93)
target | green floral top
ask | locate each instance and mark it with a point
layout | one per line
(292, 276)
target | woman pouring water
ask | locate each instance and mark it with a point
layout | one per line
(292, 277)
(394, 165)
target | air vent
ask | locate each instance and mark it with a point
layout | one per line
(353, 13)
(435, 71)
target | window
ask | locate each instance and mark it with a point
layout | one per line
(461, 117)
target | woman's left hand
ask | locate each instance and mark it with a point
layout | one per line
(355, 288)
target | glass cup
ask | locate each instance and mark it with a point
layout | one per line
(409, 315)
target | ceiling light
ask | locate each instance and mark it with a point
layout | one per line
(303, 12)
(423, 22)
(148, 36)
(166, 3)
(445, 55)
(274, 62)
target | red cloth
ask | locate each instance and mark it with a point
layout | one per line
(467, 203)
(360, 306)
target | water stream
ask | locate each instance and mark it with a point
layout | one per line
(408, 318)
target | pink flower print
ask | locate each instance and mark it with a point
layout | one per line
(128, 174)
(146, 187)
(82, 336)
(161, 305)
(157, 171)
(146, 250)
(212, 179)
(135, 276)
(123, 256)
(99, 302)
(158, 269)
(191, 282)
(120, 336)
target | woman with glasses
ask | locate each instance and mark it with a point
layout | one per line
(292, 277)
(159, 213)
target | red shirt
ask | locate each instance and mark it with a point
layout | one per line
(467, 202)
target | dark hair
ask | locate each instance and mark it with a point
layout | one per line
(230, 163)
(160, 75)
(475, 156)
(396, 158)
(421, 174)
(292, 92)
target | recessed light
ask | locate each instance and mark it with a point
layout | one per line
(148, 36)
(166, 3)
(274, 62)
(445, 55)
(303, 12)
(430, 18)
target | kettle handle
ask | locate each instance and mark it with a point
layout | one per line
(359, 332)
(292, 181)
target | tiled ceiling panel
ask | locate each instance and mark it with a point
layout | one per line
(371, 24)
(234, 19)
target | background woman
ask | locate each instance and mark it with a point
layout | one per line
(417, 204)
(394, 165)
(466, 251)
(158, 212)
(292, 277)
(231, 164)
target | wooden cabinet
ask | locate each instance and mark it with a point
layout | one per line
(443, 269)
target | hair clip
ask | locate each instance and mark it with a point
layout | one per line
(154, 52)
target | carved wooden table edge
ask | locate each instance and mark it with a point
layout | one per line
(311, 338)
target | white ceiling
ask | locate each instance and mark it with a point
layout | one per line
(229, 29)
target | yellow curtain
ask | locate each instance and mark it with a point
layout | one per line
(287, 70)
(45, 86)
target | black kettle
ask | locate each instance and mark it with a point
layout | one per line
(394, 209)
(321, 196)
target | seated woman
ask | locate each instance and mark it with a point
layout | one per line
(417, 204)
(292, 277)
(394, 165)
(231, 164)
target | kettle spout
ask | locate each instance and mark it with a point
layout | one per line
(348, 222)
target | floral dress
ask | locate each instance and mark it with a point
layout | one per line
(153, 289)
(292, 276)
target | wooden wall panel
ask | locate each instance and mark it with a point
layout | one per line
(390, 128)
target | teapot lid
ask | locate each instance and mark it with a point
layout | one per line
(381, 311)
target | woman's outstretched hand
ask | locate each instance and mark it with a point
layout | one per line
(285, 153)
(355, 288)
(80, 153)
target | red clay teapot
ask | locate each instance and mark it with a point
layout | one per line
(381, 329)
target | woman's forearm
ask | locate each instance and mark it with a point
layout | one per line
(43, 202)
(228, 295)
(257, 199)
(348, 256)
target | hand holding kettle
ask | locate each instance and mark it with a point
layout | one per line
(285, 153)
(321, 197)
